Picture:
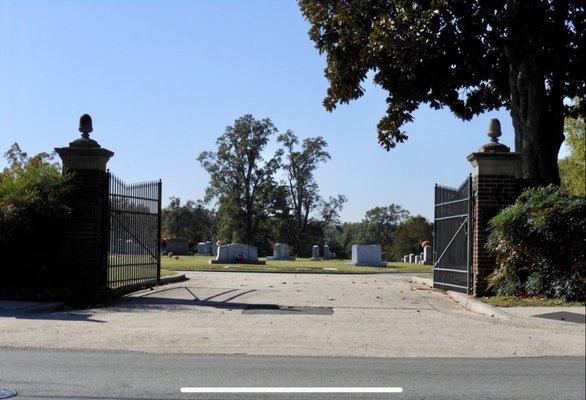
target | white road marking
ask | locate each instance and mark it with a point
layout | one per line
(291, 390)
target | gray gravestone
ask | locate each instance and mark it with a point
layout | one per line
(367, 255)
(315, 253)
(428, 255)
(237, 253)
(327, 255)
(281, 252)
(405, 259)
(177, 246)
(204, 249)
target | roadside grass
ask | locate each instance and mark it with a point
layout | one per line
(167, 272)
(528, 301)
(301, 265)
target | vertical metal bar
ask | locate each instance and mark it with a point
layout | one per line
(107, 227)
(159, 197)
(469, 236)
(119, 233)
(435, 237)
(131, 206)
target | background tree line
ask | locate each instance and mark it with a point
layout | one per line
(392, 227)
(262, 199)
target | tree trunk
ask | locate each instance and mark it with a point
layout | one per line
(539, 124)
(537, 111)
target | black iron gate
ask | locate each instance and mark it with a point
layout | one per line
(452, 244)
(134, 252)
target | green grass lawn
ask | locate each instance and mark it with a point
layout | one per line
(533, 301)
(301, 265)
(167, 272)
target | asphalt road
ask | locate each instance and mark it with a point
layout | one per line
(58, 374)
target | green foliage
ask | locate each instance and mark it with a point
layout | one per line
(303, 191)
(539, 245)
(31, 213)
(385, 226)
(341, 237)
(253, 207)
(409, 236)
(573, 167)
(380, 224)
(188, 221)
(240, 179)
(469, 56)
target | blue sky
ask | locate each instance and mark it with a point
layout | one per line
(162, 79)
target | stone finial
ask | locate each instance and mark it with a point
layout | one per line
(494, 132)
(84, 153)
(85, 126)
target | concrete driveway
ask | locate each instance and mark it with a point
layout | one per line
(293, 314)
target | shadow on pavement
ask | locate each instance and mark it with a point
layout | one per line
(77, 316)
(155, 303)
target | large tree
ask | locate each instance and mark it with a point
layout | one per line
(471, 56)
(299, 165)
(240, 178)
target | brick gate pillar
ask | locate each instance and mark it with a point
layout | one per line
(495, 185)
(84, 239)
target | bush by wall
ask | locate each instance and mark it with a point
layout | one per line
(539, 244)
(31, 212)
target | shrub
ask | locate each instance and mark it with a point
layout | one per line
(31, 212)
(539, 245)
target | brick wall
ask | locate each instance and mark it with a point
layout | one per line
(84, 239)
(492, 194)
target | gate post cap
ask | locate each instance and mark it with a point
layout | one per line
(494, 132)
(85, 127)
(84, 153)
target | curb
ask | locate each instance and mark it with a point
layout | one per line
(477, 306)
(165, 280)
(468, 302)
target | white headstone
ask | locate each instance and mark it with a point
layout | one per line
(411, 258)
(367, 255)
(315, 253)
(236, 253)
(428, 255)
(281, 252)
(416, 259)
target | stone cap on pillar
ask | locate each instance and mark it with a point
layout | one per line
(495, 158)
(84, 153)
